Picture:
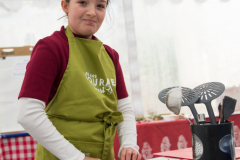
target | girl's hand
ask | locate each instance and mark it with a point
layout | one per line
(88, 158)
(129, 153)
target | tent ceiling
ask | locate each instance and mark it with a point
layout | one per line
(16, 4)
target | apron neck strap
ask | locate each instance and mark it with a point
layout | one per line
(69, 33)
(71, 37)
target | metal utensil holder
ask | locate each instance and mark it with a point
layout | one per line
(213, 142)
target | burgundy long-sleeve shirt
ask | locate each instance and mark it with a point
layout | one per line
(48, 63)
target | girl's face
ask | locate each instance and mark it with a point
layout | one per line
(85, 16)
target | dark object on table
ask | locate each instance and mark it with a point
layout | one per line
(206, 141)
(201, 118)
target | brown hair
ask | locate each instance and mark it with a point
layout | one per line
(69, 1)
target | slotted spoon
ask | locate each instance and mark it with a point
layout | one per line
(189, 97)
(207, 92)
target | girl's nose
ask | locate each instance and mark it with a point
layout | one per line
(91, 11)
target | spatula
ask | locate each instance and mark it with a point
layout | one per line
(207, 92)
(189, 97)
(229, 107)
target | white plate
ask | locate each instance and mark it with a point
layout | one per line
(170, 117)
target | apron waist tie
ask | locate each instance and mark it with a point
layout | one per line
(110, 121)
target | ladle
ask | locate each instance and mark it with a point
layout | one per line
(189, 97)
(173, 101)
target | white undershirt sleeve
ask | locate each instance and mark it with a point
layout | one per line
(32, 117)
(127, 129)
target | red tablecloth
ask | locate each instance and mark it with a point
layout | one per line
(153, 137)
(163, 136)
(18, 148)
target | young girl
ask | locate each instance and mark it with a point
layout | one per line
(73, 97)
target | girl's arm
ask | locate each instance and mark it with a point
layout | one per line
(32, 117)
(127, 129)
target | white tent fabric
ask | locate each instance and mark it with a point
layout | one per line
(12, 4)
(133, 59)
(188, 44)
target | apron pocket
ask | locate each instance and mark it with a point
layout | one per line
(90, 149)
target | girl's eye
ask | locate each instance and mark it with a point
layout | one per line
(100, 6)
(82, 2)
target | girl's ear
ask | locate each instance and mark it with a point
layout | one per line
(64, 5)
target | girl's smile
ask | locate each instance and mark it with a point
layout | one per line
(89, 21)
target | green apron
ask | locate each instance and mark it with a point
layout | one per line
(84, 109)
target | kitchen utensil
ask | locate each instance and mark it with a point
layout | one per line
(201, 118)
(229, 107)
(189, 97)
(220, 111)
(207, 92)
(173, 101)
(185, 118)
(225, 144)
